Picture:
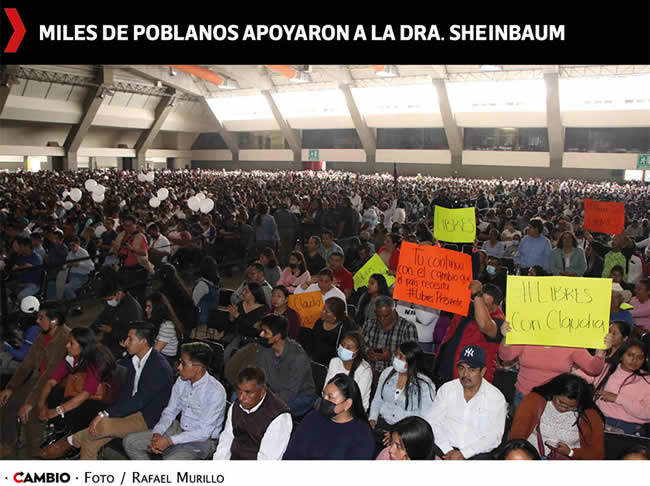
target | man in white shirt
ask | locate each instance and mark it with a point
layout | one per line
(160, 247)
(324, 283)
(79, 268)
(258, 425)
(469, 414)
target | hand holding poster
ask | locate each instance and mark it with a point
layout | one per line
(558, 311)
(604, 217)
(434, 277)
(454, 225)
(374, 265)
(308, 305)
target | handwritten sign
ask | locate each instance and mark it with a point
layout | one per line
(454, 225)
(604, 217)
(434, 277)
(372, 266)
(558, 311)
(308, 305)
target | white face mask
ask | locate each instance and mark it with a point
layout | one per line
(113, 302)
(399, 365)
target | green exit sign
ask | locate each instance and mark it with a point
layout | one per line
(643, 162)
(314, 155)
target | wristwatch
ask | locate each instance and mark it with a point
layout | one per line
(571, 453)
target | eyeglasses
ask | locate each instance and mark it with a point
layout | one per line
(182, 363)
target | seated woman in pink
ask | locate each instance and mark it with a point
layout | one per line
(623, 388)
(296, 273)
(539, 364)
(411, 439)
(641, 304)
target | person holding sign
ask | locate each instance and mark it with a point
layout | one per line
(623, 388)
(534, 249)
(323, 283)
(389, 253)
(561, 419)
(539, 364)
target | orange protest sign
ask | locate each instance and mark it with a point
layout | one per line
(308, 305)
(434, 277)
(604, 217)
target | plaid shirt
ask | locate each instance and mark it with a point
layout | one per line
(401, 332)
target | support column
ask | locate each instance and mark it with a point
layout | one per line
(292, 136)
(164, 108)
(229, 139)
(453, 132)
(554, 122)
(4, 96)
(366, 134)
(91, 106)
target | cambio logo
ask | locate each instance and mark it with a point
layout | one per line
(22, 477)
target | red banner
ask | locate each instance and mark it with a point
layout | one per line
(434, 277)
(604, 217)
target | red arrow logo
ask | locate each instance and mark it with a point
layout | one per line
(19, 30)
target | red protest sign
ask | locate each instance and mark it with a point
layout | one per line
(434, 277)
(604, 217)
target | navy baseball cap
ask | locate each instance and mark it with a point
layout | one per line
(473, 355)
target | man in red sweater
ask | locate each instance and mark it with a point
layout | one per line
(481, 327)
(342, 277)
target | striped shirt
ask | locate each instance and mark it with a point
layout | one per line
(167, 334)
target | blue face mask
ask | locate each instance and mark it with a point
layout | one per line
(399, 365)
(490, 269)
(345, 354)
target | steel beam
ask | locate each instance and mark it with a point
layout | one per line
(164, 108)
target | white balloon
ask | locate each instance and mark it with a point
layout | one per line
(142, 177)
(30, 304)
(99, 189)
(207, 205)
(194, 203)
(98, 196)
(162, 193)
(149, 177)
(75, 194)
(201, 196)
(154, 202)
(90, 185)
(67, 205)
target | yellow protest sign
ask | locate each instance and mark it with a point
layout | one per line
(308, 305)
(374, 265)
(454, 225)
(558, 311)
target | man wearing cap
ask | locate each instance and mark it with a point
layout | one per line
(468, 414)
(619, 310)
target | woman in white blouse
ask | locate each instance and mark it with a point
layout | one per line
(350, 361)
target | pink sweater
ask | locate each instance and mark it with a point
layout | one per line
(539, 364)
(291, 281)
(641, 313)
(633, 401)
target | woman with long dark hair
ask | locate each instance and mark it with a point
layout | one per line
(338, 429)
(561, 419)
(296, 273)
(376, 286)
(623, 388)
(280, 307)
(402, 391)
(83, 384)
(411, 439)
(205, 292)
(179, 297)
(322, 341)
(389, 253)
(170, 330)
(620, 332)
(351, 361)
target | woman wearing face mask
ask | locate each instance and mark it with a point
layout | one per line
(567, 259)
(272, 271)
(512, 248)
(494, 274)
(509, 233)
(69, 400)
(411, 439)
(322, 341)
(296, 273)
(338, 430)
(351, 361)
(402, 391)
(623, 388)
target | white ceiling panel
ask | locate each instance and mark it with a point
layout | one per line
(36, 89)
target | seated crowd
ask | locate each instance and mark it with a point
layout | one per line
(201, 371)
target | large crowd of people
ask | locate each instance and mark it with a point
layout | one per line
(178, 365)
